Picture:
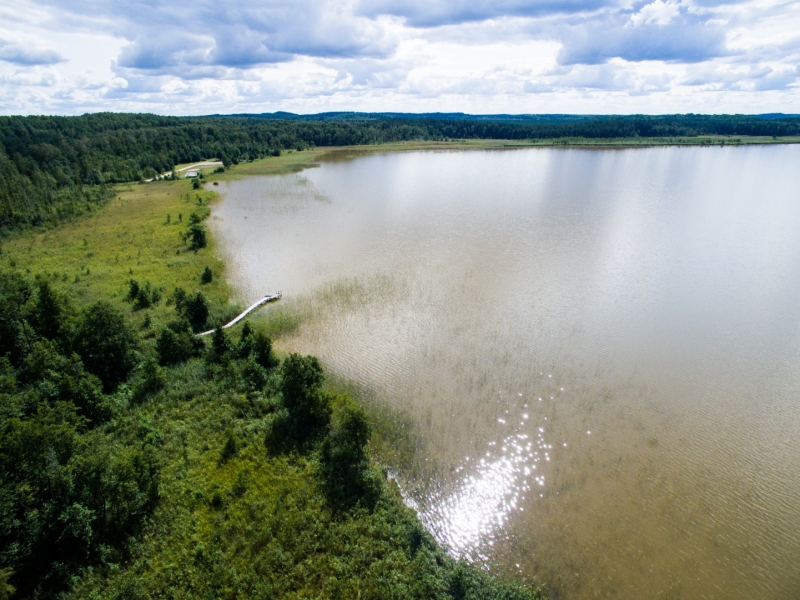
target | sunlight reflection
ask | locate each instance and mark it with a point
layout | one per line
(471, 518)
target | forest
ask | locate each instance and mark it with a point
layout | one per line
(54, 168)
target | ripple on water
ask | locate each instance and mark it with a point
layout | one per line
(640, 306)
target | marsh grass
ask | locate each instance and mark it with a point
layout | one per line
(94, 257)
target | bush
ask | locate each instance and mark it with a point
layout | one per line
(143, 296)
(176, 343)
(220, 347)
(255, 345)
(207, 276)
(195, 309)
(149, 380)
(197, 233)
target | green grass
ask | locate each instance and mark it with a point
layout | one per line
(94, 257)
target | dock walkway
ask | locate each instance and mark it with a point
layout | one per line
(262, 302)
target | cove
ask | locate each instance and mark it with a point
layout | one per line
(599, 348)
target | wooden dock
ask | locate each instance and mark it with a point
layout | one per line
(260, 303)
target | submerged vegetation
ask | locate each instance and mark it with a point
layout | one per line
(53, 168)
(139, 461)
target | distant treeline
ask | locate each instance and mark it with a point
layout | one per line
(52, 168)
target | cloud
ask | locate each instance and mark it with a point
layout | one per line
(183, 35)
(610, 77)
(752, 78)
(664, 34)
(26, 55)
(188, 56)
(39, 77)
(656, 13)
(376, 74)
(435, 13)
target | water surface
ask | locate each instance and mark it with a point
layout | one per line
(600, 349)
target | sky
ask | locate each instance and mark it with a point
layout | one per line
(477, 56)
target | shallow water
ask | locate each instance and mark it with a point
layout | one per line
(600, 349)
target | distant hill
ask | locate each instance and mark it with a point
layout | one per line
(459, 116)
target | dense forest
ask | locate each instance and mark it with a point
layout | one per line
(54, 167)
(81, 461)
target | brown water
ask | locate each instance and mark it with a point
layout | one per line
(601, 349)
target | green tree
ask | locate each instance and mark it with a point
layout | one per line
(221, 347)
(16, 336)
(149, 379)
(346, 473)
(67, 499)
(262, 350)
(207, 276)
(6, 589)
(107, 344)
(308, 408)
(53, 378)
(48, 312)
(195, 309)
(197, 233)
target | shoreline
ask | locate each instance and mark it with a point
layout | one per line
(138, 235)
(293, 161)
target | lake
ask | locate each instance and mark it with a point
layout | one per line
(598, 349)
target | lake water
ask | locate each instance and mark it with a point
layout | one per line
(599, 348)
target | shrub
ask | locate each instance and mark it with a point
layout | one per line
(220, 347)
(176, 343)
(195, 310)
(197, 234)
(149, 380)
(133, 290)
(255, 345)
(207, 276)
(143, 296)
